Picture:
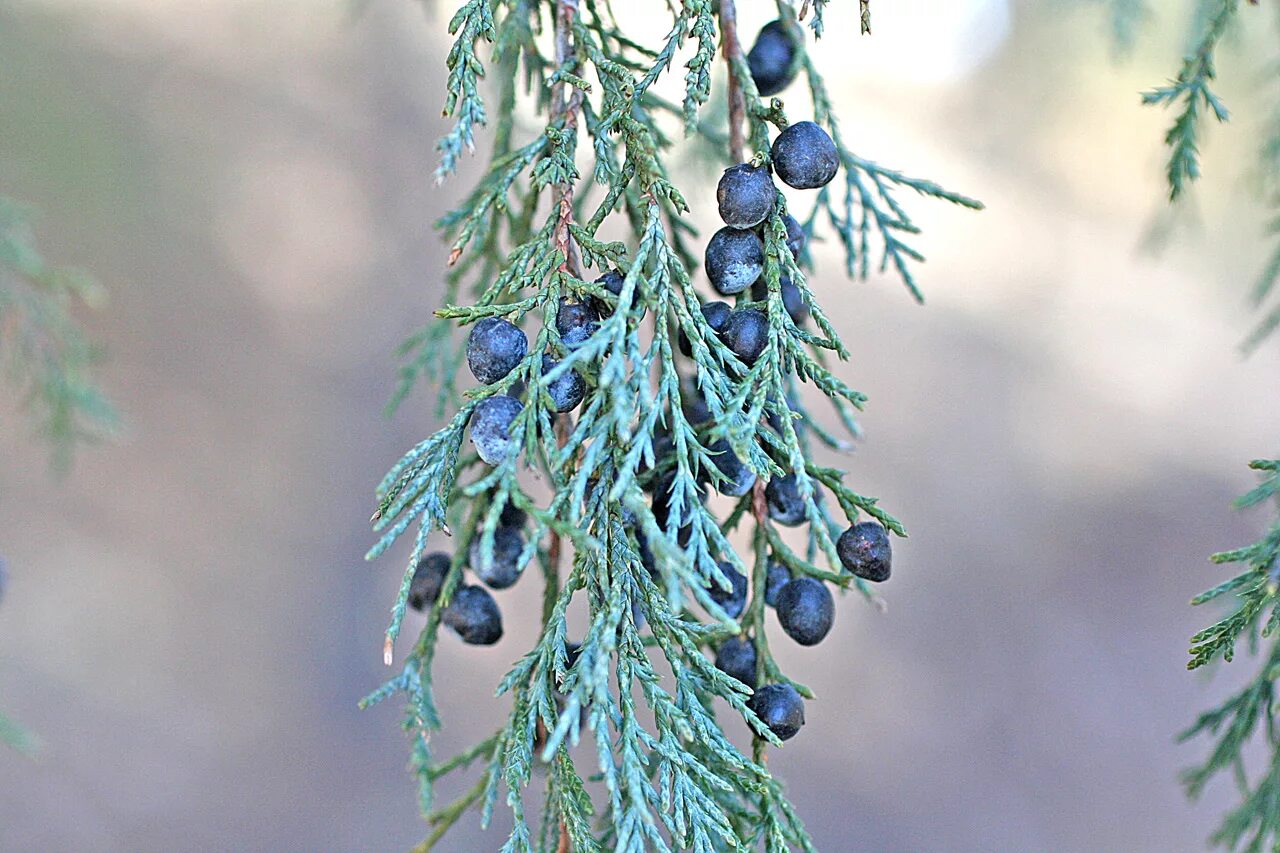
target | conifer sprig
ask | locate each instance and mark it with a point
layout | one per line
(669, 410)
(1254, 825)
(43, 352)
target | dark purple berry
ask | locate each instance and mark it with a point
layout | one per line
(503, 570)
(774, 580)
(732, 601)
(796, 238)
(792, 298)
(474, 615)
(774, 419)
(566, 390)
(736, 658)
(662, 498)
(512, 516)
(785, 504)
(494, 348)
(576, 321)
(772, 57)
(428, 577)
(780, 708)
(745, 195)
(491, 427)
(716, 314)
(734, 260)
(694, 405)
(864, 550)
(738, 478)
(746, 334)
(611, 281)
(806, 610)
(804, 156)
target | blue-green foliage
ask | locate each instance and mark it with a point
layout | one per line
(1254, 825)
(43, 353)
(666, 776)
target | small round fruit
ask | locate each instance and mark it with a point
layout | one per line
(503, 570)
(772, 59)
(796, 238)
(491, 427)
(576, 321)
(780, 708)
(474, 616)
(736, 658)
(494, 348)
(746, 334)
(864, 550)
(785, 504)
(716, 314)
(512, 516)
(806, 610)
(774, 419)
(732, 601)
(774, 580)
(792, 298)
(745, 195)
(734, 260)
(738, 477)
(428, 577)
(804, 156)
(611, 281)
(567, 390)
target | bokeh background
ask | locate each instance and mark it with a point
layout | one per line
(189, 622)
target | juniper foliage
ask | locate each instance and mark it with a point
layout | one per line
(43, 352)
(535, 230)
(1253, 595)
(1194, 100)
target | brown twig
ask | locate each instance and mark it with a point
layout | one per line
(732, 49)
(565, 103)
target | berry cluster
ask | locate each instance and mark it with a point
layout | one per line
(802, 156)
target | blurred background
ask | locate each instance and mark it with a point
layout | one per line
(189, 623)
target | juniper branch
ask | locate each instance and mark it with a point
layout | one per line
(619, 518)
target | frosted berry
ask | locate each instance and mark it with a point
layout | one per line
(567, 390)
(491, 427)
(732, 601)
(771, 58)
(734, 260)
(716, 314)
(576, 321)
(428, 577)
(792, 298)
(746, 333)
(504, 569)
(804, 156)
(785, 504)
(738, 477)
(745, 195)
(780, 708)
(494, 348)
(864, 550)
(512, 516)
(774, 419)
(774, 580)
(474, 616)
(796, 238)
(806, 610)
(736, 658)
(662, 497)
(611, 281)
